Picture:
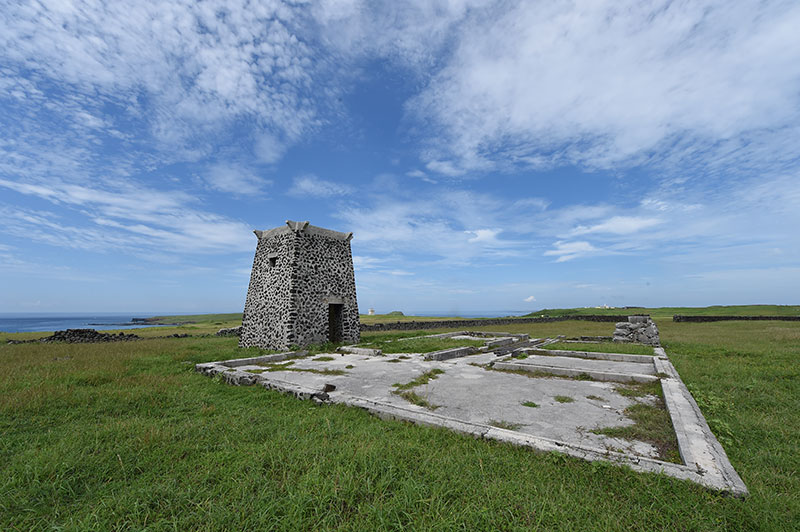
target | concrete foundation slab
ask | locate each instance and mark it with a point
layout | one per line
(466, 394)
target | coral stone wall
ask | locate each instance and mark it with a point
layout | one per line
(324, 275)
(268, 303)
(298, 270)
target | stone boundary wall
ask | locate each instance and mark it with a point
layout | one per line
(700, 319)
(414, 325)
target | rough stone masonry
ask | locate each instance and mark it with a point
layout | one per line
(640, 329)
(302, 289)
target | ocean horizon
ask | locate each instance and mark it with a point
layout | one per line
(11, 322)
(59, 321)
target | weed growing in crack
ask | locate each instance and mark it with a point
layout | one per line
(639, 389)
(403, 390)
(500, 424)
(416, 399)
(653, 425)
(419, 381)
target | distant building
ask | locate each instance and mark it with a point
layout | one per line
(371, 312)
(302, 289)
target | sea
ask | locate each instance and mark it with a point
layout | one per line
(60, 322)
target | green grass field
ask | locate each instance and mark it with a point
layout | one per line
(668, 312)
(126, 436)
(602, 347)
(215, 319)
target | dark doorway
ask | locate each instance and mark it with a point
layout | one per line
(335, 332)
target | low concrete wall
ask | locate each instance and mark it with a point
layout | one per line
(700, 319)
(440, 324)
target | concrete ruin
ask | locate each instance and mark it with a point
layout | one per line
(513, 389)
(302, 289)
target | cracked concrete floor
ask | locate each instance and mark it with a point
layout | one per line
(469, 392)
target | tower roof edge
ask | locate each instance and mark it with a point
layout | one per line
(305, 228)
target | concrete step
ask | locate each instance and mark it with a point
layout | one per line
(602, 370)
(615, 357)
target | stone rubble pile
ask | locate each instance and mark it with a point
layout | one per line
(233, 331)
(88, 336)
(640, 329)
(75, 336)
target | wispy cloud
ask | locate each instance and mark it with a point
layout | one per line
(412, 33)
(234, 178)
(618, 225)
(126, 219)
(709, 82)
(450, 225)
(571, 250)
(419, 174)
(311, 185)
(189, 69)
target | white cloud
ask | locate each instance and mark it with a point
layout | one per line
(462, 291)
(740, 224)
(268, 148)
(483, 235)
(187, 69)
(618, 225)
(419, 174)
(609, 83)
(537, 204)
(361, 262)
(234, 178)
(571, 250)
(140, 219)
(450, 225)
(412, 33)
(310, 185)
(529, 299)
(447, 168)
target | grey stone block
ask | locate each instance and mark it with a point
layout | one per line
(447, 354)
(360, 351)
(499, 342)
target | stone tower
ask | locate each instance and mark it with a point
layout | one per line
(302, 289)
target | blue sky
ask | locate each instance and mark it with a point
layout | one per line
(488, 156)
